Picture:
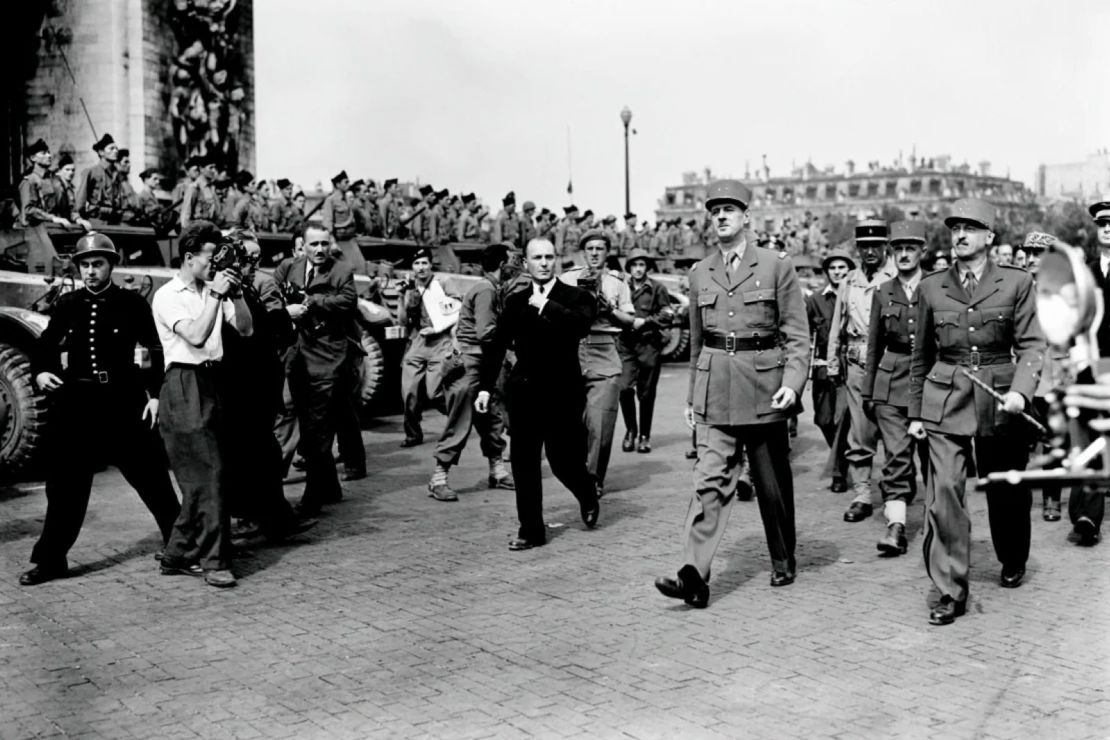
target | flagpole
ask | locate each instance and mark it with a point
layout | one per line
(570, 168)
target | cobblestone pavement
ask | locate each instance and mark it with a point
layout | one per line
(401, 616)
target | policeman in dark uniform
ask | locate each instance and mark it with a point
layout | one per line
(973, 318)
(104, 406)
(886, 378)
(749, 357)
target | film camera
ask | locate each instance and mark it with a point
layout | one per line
(231, 254)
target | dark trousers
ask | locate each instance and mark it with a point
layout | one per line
(552, 421)
(640, 368)
(1084, 501)
(319, 401)
(192, 424)
(348, 432)
(899, 481)
(720, 449)
(947, 541)
(94, 424)
(460, 395)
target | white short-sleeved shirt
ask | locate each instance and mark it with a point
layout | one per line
(180, 301)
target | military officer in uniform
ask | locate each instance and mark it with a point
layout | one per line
(339, 218)
(104, 409)
(973, 318)
(749, 357)
(389, 208)
(506, 227)
(886, 380)
(629, 238)
(848, 346)
(598, 356)
(200, 202)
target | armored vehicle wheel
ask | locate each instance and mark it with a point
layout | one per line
(676, 342)
(22, 413)
(373, 370)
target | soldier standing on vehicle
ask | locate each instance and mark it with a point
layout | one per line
(749, 357)
(567, 235)
(639, 348)
(104, 407)
(886, 380)
(281, 205)
(506, 227)
(98, 195)
(200, 201)
(466, 230)
(848, 334)
(148, 210)
(629, 238)
(389, 209)
(39, 192)
(598, 356)
(978, 319)
(339, 219)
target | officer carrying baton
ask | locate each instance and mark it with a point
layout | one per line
(1001, 399)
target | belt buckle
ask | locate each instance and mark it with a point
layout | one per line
(730, 343)
(973, 359)
(102, 377)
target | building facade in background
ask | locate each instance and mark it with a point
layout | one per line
(1084, 181)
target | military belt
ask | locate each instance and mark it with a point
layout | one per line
(902, 348)
(600, 337)
(101, 377)
(975, 359)
(739, 344)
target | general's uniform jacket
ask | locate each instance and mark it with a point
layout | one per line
(889, 345)
(761, 298)
(329, 332)
(999, 320)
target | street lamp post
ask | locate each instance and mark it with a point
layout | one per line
(626, 118)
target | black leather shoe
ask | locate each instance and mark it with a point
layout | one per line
(946, 611)
(857, 512)
(838, 485)
(629, 442)
(688, 585)
(782, 578)
(1051, 510)
(1012, 576)
(522, 544)
(644, 445)
(894, 543)
(590, 513)
(42, 574)
(744, 489)
(180, 570)
(412, 441)
(1086, 531)
(350, 474)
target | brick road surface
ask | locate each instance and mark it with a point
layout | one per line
(401, 616)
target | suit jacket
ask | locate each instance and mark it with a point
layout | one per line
(999, 319)
(1103, 328)
(887, 371)
(760, 298)
(546, 343)
(328, 333)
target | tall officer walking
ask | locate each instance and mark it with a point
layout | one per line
(749, 357)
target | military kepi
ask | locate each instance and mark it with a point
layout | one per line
(872, 230)
(732, 191)
(1100, 209)
(972, 210)
(907, 231)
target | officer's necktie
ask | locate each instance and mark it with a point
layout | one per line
(733, 261)
(970, 283)
(311, 274)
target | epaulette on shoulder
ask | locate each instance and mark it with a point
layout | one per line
(1015, 267)
(934, 273)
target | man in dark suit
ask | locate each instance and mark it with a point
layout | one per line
(319, 370)
(546, 391)
(974, 318)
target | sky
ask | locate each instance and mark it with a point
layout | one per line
(486, 95)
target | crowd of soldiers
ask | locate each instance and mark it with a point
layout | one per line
(548, 348)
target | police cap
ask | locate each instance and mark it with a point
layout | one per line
(1100, 209)
(972, 210)
(732, 191)
(872, 230)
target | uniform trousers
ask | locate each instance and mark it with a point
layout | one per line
(863, 436)
(460, 395)
(601, 367)
(191, 419)
(640, 366)
(947, 541)
(93, 424)
(715, 475)
(899, 472)
(545, 418)
(319, 399)
(420, 377)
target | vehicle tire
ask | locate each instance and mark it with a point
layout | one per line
(22, 413)
(373, 370)
(676, 343)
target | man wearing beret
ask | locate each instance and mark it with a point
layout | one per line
(886, 380)
(597, 352)
(978, 319)
(339, 218)
(567, 235)
(200, 201)
(506, 227)
(98, 186)
(830, 399)
(847, 355)
(280, 204)
(749, 357)
(466, 230)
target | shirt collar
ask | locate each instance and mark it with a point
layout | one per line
(963, 270)
(911, 284)
(829, 289)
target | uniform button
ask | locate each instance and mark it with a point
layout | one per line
(731, 313)
(911, 321)
(974, 349)
(970, 310)
(971, 328)
(730, 294)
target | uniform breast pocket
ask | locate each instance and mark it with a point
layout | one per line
(760, 308)
(946, 324)
(998, 324)
(892, 319)
(707, 304)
